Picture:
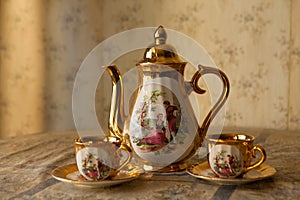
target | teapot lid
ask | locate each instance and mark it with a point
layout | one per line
(159, 52)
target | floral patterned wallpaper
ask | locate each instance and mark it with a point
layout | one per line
(43, 43)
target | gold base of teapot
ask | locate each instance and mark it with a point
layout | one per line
(172, 168)
(175, 167)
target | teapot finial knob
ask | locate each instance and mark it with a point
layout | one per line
(160, 35)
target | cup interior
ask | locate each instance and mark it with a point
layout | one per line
(238, 137)
(89, 140)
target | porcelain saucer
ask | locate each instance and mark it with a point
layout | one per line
(70, 174)
(203, 171)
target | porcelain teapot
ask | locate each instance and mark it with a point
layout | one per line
(161, 128)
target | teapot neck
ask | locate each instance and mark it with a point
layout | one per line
(162, 67)
(151, 71)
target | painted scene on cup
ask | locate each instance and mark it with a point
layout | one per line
(91, 166)
(226, 164)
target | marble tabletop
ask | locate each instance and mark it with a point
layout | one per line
(26, 164)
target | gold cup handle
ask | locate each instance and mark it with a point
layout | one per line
(262, 159)
(125, 148)
(222, 99)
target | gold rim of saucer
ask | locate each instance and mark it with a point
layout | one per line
(203, 171)
(69, 174)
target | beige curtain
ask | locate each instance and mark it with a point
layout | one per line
(22, 67)
(42, 44)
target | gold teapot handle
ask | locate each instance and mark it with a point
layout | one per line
(222, 99)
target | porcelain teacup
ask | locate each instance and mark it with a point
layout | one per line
(97, 158)
(232, 155)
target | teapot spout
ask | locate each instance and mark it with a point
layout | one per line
(116, 114)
